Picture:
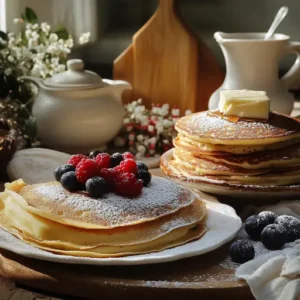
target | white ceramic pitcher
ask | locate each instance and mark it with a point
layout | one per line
(253, 63)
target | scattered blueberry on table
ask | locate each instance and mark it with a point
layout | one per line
(272, 230)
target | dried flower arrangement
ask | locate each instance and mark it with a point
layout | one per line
(148, 132)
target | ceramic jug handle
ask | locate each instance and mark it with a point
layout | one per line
(294, 73)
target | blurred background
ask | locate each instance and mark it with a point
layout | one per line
(113, 22)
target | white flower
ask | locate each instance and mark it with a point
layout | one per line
(53, 37)
(18, 21)
(175, 112)
(153, 140)
(11, 35)
(159, 127)
(8, 71)
(141, 149)
(35, 26)
(188, 112)
(28, 33)
(45, 27)
(155, 110)
(84, 38)
(165, 107)
(167, 123)
(140, 101)
(10, 58)
(140, 137)
(150, 128)
(35, 36)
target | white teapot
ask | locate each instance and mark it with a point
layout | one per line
(77, 111)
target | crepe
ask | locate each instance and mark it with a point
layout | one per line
(49, 217)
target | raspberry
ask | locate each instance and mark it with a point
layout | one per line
(129, 166)
(119, 170)
(128, 155)
(76, 159)
(86, 169)
(128, 185)
(103, 160)
(110, 176)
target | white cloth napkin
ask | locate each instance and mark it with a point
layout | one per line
(275, 275)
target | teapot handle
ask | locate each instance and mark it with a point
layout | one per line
(294, 72)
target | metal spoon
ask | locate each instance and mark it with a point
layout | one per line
(277, 20)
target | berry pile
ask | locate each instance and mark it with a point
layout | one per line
(272, 230)
(101, 173)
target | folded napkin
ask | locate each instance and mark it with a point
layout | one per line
(274, 275)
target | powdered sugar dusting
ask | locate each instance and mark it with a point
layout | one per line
(205, 126)
(162, 197)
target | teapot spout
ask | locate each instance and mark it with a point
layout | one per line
(35, 80)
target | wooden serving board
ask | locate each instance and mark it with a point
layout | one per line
(195, 278)
(167, 63)
(209, 275)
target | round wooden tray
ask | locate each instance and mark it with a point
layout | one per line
(208, 275)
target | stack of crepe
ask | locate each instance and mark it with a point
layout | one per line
(235, 150)
(49, 217)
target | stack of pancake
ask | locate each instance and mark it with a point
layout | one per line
(215, 148)
(49, 217)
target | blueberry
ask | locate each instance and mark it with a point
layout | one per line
(116, 159)
(292, 226)
(255, 225)
(241, 251)
(96, 187)
(61, 170)
(293, 232)
(94, 153)
(269, 216)
(70, 183)
(145, 176)
(141, 166)
(274, 236)
(286, 220)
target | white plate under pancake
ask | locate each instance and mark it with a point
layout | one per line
(222, 226)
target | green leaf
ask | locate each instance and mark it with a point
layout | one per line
(62, 33)
(30, 15)
(3, 36)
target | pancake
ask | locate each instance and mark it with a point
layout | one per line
(204, 127)
(176, 238)
(268, 179)
(197, 148)
(52, 201)
(203, 166)
(58, 236)
(288, 157)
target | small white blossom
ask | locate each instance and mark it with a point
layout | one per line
(159, 127)
(60, 68)
(140, 137)
(8, 71)
(10, 58)
(141, 149)
(175, 112)
(45, 27)
(188, 112)
(84, 38)
(35, 26)
(150, 128)
(53, 37)
(153, 140)
(18, 20)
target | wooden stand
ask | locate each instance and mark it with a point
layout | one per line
(167, 63)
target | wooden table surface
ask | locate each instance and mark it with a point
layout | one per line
(11, 291)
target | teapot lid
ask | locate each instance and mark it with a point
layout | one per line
(75, 77)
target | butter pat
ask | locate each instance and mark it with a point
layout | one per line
(245, 103)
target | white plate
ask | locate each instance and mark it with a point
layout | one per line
(223, 188)
(222, 226)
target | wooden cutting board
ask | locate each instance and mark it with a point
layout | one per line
(167, 63)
